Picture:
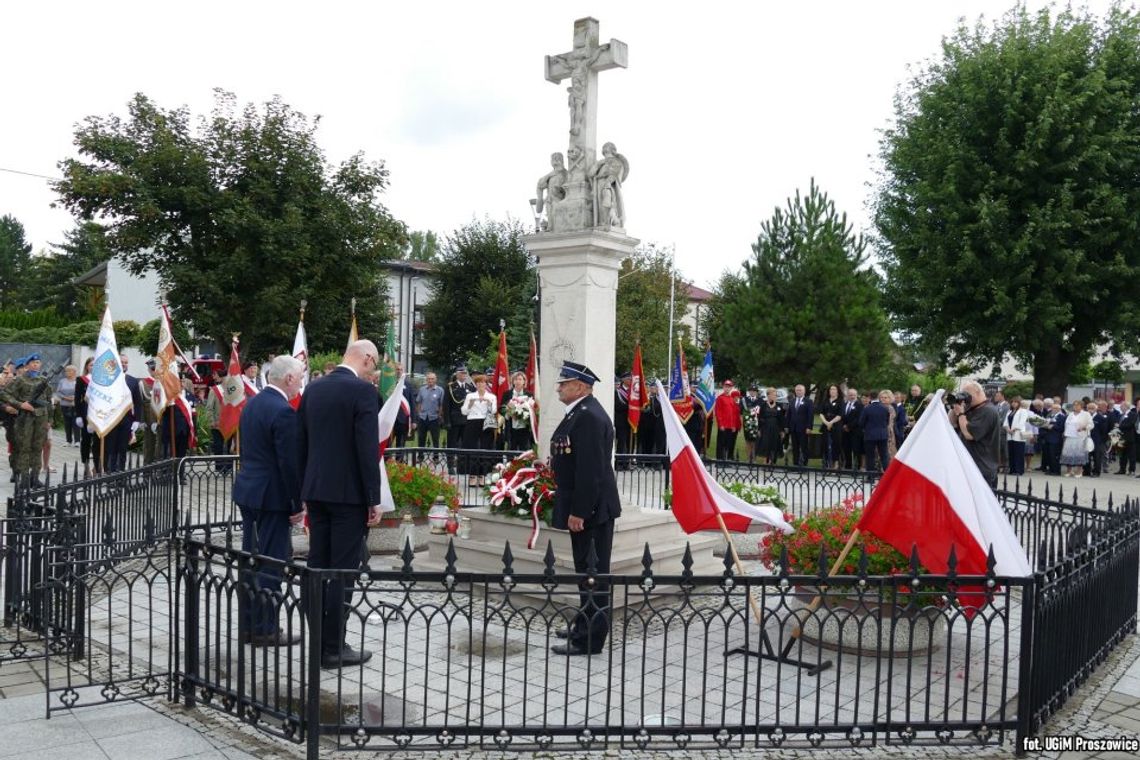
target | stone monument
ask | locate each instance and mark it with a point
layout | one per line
(581, 240)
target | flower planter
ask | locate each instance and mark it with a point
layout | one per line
(867, 628)
(385, 537)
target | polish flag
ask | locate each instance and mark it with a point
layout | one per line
(301, 354)
(697, 498)
(387, 420)
(933, 496)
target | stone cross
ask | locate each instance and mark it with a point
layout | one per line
(581, 66)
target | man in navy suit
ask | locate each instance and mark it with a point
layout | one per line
(117, 441)
(586, 501)
(267, 489)
(799, 423)
(875, 420)
(852, 433)
(339, 449)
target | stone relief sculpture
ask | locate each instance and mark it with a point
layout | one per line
(606, 178)
(551, 189)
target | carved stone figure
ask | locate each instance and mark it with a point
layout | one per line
(606, 177)
(551, 187)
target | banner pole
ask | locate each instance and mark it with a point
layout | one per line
(797, 630)
(740, 569)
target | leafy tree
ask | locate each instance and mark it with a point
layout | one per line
(15, 255)
(241, 217)
(145, 338)
(1008, 205)
(50, 275)
(484, 275)
(643, 310)
(805, 309)
(422, 245)
(725, 291)
(1108, 371)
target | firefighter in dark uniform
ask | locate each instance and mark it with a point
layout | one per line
(586, 501)
(454, 416)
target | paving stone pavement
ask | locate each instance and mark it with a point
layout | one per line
(1105, 707)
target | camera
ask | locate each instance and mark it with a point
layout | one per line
(953, 399)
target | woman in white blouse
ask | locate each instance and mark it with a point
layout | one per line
(1016, 428)
(477, 408)
(1074, 453)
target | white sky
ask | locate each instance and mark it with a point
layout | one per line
(725, 110)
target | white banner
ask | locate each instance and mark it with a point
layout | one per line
(108, 397)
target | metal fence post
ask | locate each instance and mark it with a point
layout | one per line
(314, 605)
(190, 624)
(1025, 666)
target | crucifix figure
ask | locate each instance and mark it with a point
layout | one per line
(581, 66)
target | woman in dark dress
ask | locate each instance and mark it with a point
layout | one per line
(831, 426)
(771, 428)
(517, 431)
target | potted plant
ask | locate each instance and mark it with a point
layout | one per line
(414, 490)
(846, 618)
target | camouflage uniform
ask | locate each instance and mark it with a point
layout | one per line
(30, 428)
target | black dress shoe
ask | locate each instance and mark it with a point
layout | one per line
(570, 650)
(278, 639)
(562, 633)
(346, 656)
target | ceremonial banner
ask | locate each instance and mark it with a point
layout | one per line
(705, 394)
(532, 384)
(637, 395)
(352, 334)
(233, 395)
(167, 383)
(500, 379)
(679, 396)
(388, 363)
(387, 420)
(108, 397)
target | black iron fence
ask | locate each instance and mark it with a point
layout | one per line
(135, 586)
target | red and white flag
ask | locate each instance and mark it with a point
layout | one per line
(233, 394)
(697, 498)
(387, 420)
(301, 354)
(933, 497)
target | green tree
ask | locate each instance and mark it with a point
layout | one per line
(241, 217)
(724, 292)
(15, 257)
(643, 309)
(806, 309)
(1007, 207)
(422, 245)
(51, 275)
(484, 275)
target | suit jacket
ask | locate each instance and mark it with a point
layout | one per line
(136, 412)
(900, 422)
(1100, 428)
(851, 419)
(1056, 434)
(269, 478)
(799, 420)
(875, 420)
(339, 439)
(580, 455)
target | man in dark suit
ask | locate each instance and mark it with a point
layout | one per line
(852, 431)
(339, 438)
(799, 423)
(875, 420)
(586, 501)
(267, 489)
(1128, 434)
(1055, 436)
(119, 439)
(453, 415)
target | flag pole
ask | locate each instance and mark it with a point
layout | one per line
(740, 569)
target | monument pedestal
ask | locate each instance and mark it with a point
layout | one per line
(578, 274)
(483, 552)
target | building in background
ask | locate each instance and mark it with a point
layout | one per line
(409, 288)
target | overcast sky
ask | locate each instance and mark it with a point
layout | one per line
(726, 109)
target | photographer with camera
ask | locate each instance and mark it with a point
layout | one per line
(978, 423)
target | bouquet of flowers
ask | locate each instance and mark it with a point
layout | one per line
(752, 422)
(519, 409)
(524, 488)
(1036, 421)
